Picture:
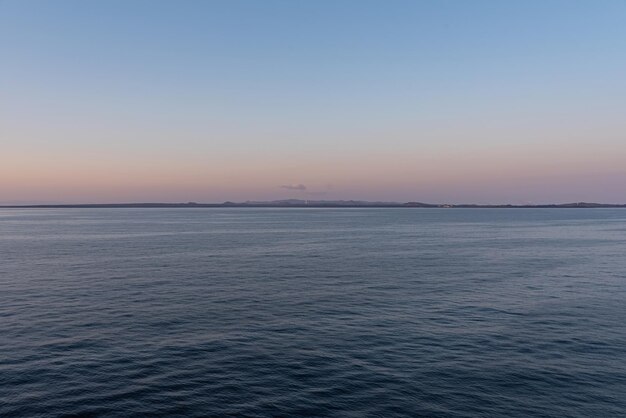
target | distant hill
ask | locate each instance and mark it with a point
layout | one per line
(321, 203)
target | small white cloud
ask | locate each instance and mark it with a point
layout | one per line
(300, 187)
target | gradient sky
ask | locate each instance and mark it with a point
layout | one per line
(437, 101)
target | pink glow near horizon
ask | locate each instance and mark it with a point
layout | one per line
(484, 177)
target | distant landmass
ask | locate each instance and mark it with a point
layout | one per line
(299, 203)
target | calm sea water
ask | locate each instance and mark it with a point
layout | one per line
(313, 312)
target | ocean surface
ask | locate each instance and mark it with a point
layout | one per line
(313, 312)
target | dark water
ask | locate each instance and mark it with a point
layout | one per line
(313, 312)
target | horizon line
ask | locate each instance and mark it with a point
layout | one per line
(287, 203)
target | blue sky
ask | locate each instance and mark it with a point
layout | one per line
(473, 101)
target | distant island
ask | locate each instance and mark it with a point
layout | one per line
(299, 203)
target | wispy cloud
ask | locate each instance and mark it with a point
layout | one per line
(300, 187)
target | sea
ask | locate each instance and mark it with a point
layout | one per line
(294, 312)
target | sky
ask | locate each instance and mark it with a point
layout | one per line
(441, 101)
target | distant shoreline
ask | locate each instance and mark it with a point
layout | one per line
(315, 204)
